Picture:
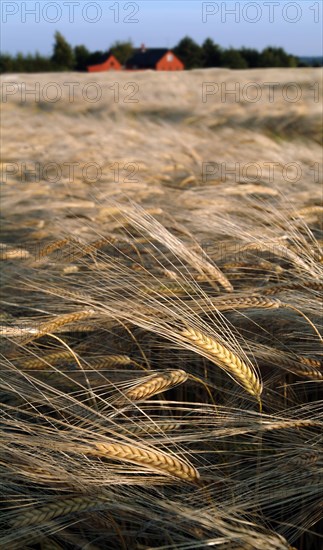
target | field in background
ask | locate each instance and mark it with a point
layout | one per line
(162, 232)
(158, 137)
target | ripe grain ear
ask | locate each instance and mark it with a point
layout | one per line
(156, 384)
(225, 358)
(152, 459)
(56, 509)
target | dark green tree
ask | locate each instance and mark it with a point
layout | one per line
(189, 52)
(233, 59)
(81, 56)
(6, 63)
(277, 57)
(42, 64)
(63, 55)
(211, 54)
(251, 56)
(122, 51)
(293, 61)
(97, 57)
(29, 63)
(19, 63)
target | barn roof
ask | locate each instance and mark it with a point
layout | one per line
(97, 58)
(147, 58)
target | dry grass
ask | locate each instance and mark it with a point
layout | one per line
(187, 260)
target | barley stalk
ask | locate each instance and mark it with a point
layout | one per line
(42, 362)
(65, 357)
(52, 247)
(315, 363)
(60, 321)
(307, 370)
(59, 508)
(246, 302)
(302, 366)
(313, 285)
(282, 252)
(109, 361)
(14, 330)
(287, 424)
(152, 459)
(154, 428)
(162, 235)
(156, 384)
(8, 253)
(224, 357)
(308, 210)
(94, 246)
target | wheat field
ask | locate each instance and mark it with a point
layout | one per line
(161, 348)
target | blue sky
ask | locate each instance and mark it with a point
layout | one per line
(28, 26)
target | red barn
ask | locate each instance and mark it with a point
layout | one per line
(158, 59)
(110, 64)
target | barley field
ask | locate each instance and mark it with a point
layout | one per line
(161, 348)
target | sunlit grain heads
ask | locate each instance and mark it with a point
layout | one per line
(58, 322)
(156, 384)
(225, 358)
(151, 459)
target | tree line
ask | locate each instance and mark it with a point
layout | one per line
(194, 56)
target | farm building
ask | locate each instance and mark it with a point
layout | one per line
(158, 59)
(110, 64)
